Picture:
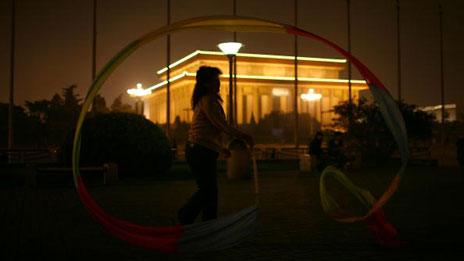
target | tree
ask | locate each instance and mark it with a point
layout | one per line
(38, 109)
(138, 146)
(368, 133)
(40, 112)
(71, 104)
(419, 124)
(71, 99)
(119, 106)
(55, 117)
(99, 105)
(24, 127)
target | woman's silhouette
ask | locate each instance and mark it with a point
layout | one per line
(205, 143)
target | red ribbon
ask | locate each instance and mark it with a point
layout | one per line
(383, 231)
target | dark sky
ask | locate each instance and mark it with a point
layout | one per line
(54, 41)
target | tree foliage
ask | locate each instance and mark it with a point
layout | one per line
(138, 146)
(99, 105)
(25, 129)
(45, 122)
(56, 116)
(368, 133)
(119, 106)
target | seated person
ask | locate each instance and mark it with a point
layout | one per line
(335, 152)
(316, 152)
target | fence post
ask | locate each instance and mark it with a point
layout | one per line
(110, 173)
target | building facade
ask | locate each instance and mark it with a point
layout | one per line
(450, 111)
(265, 84)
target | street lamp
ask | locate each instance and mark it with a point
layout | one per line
(311, 96)
(138, 93)
(231, 49)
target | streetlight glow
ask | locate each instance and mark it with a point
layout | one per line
(279, 92)
(230, 48)
(311, 96)
(139, 91)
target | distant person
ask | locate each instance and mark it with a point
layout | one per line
(174, 149)
(316, 152)
(205, 143)
(335, 151)
(315, 146)
(273, 153)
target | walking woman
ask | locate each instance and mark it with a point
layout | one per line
(205, 144)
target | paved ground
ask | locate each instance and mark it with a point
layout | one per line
(48, 222)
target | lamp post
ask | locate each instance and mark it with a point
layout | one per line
(138, 93)
(230, 49)
(311, 96)
(442, 79)
(12, 79)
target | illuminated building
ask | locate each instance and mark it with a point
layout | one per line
(265, 83)
(450, 111)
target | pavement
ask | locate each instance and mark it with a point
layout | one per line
(49, 222)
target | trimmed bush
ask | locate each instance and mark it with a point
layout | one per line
(138, 146)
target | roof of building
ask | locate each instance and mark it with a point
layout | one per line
(253, 56)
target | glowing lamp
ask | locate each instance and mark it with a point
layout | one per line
(139, 91)
(230, 48)
(311, 96)
(279, 92)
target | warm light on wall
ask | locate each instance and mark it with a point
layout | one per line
(311, 96)
(279, 92)
(260, 77)
(301, 79)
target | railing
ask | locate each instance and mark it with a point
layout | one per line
(108, 172)
(27, 155)
(278, 152)
(261, 152)
(422, 155)
(293, 153)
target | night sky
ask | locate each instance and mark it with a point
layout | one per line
(53, 47)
